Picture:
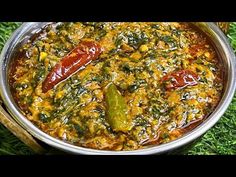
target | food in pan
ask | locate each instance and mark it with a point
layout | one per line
(117, 85)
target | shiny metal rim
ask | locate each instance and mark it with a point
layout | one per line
(200, 130)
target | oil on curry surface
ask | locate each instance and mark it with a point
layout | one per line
(117, 86)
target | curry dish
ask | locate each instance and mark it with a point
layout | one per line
(117, 86)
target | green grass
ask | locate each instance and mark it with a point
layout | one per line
(6, 29)
(221, 139)
(9, 144)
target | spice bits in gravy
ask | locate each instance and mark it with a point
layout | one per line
(117, 86)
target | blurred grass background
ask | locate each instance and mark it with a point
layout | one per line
(221, 139)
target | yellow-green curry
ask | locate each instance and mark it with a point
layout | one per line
(117, 86)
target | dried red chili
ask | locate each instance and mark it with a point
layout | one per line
(180, 79)
(80, 56)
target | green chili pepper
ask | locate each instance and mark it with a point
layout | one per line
(117, 110)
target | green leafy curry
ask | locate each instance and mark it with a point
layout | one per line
(117, 86)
